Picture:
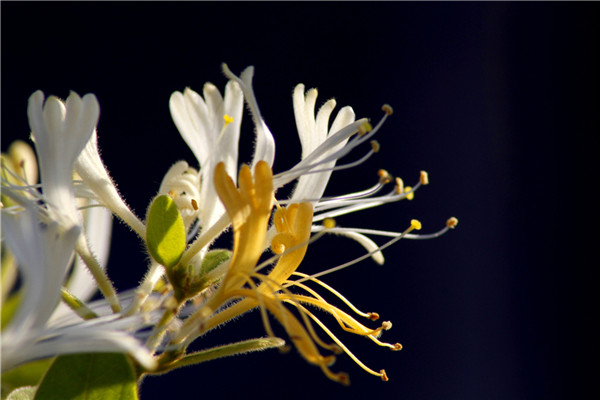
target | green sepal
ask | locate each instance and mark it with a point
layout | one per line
(213, 259)
(187, 283)
(94, 376)
(165, 231)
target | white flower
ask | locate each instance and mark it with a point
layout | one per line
(211, 128)
(60, 131)
(313, 132)
(44, 254)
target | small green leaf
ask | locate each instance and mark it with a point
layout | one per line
(165, 231)
(22, 393)
(94, 376)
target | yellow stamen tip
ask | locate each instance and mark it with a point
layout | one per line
(228, 119)
(415, 224)
(410, 195)
(365, 128)
(329, 223)
(373, 316)
(399, 186)
(452, 222)
(386, 108)
(397, 346)
(424, 178)
(375, 146)
(384, 176)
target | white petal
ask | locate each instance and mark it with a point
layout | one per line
(265, 144)
(91, 169)
(367, 243)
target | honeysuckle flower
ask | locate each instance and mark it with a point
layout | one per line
(44, 254)
(249, 208)
(60, 131)
(191, 287)
(211, 128)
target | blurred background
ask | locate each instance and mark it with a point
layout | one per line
(499, 102)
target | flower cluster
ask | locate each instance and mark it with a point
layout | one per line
(56, 234)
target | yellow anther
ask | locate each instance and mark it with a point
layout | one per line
(387, 325)
(397, 346)
(409, 195)
(386, 108)
(424, 178)
(384, 176)
(364, 128)
(415, 224)
(375, 146)
(452, 222)
(399, 186)
(329, 223)
(228, 119)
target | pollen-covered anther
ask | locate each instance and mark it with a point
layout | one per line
(397, 346)
(386, 325)
(194, 204)
(384, 176)
(415, 224)
(386, 108)
(452, 222)
(365, 128)
(384, 376)
(373, 316)
(409, 193)
(424, 178)
(375, 146)
(399, 186)
(329, 223)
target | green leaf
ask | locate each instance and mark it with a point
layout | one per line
(95, 376)
(29, 374)
(22, 393)
(165, 231)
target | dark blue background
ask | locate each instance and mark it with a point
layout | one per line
(498, 101)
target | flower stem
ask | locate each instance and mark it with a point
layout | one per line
(104, 284)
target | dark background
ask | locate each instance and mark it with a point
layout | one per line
(499, 102)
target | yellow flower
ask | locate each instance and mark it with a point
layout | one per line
(249, 208)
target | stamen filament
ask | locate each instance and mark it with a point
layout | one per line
(358, 259)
